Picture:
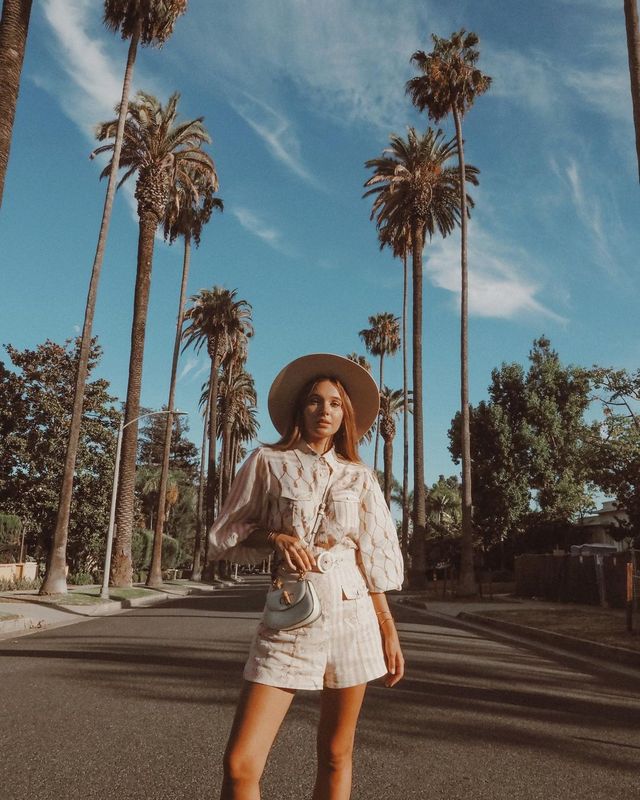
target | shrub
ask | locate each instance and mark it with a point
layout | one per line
(80, 578)
(22, 584)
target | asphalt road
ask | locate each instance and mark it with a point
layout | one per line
(138, 706)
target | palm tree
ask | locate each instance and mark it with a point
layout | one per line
(163, 153)
(399, 240)
(148, 24)
(633, 48)
(391, 404)
(14, 27)
(449, 83)
(360, 360)
(215, 318)
(237, 394)
(236, 417)
(413, 186)
(196, 566)
(190, 207)
(381, 339)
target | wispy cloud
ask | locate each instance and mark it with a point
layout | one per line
(589, 211)
(92, 85)
(275, 131)
(256, 226)
(88, 86)
(525, 78)
(498, 282)
(192, 362)
(606, 91)
(348, 58)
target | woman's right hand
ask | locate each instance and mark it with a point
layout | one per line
(295, 555)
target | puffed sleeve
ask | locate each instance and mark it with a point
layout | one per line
(244, 510)
(378, 548)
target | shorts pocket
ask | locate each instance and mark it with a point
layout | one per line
(353, 585)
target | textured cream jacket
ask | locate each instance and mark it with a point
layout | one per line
(284, 489)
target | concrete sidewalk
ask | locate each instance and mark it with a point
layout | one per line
(473, 614)
(25, 611)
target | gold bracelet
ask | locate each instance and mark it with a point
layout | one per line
(271, 538)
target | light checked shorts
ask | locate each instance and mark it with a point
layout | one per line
(343, 647)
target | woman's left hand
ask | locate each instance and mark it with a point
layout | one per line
(392, 653)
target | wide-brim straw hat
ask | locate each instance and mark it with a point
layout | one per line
(358, 383)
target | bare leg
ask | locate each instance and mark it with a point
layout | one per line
(339, 712)
(259, 715)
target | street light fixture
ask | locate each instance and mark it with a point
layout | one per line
(104, 594)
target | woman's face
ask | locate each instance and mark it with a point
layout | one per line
(322, 414)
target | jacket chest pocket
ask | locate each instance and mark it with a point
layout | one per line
(345, 507)
(290, 511)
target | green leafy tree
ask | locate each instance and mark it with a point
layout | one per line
(163, 152)
(414, 187)
(40, 389)
(616, 452)
(557, 399)
(532, 450)
(501, 440)
(183, 453)
(10, 537)
(149, 22)
(449, 83)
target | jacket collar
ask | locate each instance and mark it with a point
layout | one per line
(306, 453)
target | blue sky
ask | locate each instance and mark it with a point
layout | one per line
(297, 95)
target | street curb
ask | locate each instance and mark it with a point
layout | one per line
(29, 623)
(570, 643)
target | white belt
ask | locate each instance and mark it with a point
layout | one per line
(327, 560)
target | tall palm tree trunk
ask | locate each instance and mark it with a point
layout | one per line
(196, 569)
(417, 572)
(375, 452)
(228, 446)
(155, 571)
(213, 422)
(14, 27)
(55, 580)
(405, 416)
(387, 455)
(121, 567)
(633, 48)
(466, 581)
(234, 457)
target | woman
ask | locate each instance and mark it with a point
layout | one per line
(310, 499)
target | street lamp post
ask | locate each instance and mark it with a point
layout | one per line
(104, 594)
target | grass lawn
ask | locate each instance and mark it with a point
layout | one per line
(91, 596)
(605, 626)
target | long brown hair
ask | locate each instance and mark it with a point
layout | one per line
(345, 439)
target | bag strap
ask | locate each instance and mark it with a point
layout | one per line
(321, 508)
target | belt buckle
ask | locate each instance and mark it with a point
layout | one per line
(324, 562)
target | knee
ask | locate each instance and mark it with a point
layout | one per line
(336, 755)
(240, 767)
